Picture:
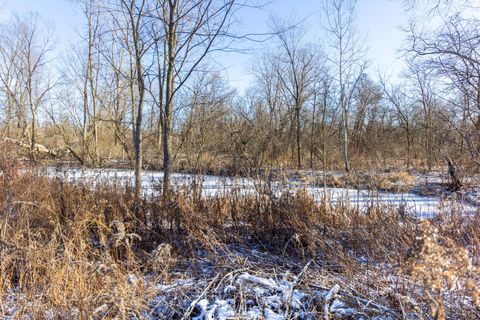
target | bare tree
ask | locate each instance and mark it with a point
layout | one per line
(10, 84)
(135, 12)
(346, 57)
(91, 12)
(265, 113)
(404, 110)
(191, 30)
(204, 124)
(366, 97)
(298, 68)
(28, 63)
(450, 53)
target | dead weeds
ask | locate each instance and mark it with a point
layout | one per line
(73, 251)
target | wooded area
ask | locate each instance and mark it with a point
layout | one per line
(325, 190)
(140, 87)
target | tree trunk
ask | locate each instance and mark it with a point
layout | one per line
(345, 142)
(455, 183)
(169, 90)
(312, 131)
(298, 135)
(33, 137)
(408, 148)
(85, 119)
(138, 113)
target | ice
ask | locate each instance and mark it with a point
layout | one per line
(212, 186)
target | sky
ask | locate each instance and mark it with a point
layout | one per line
(378, 21)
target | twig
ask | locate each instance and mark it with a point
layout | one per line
(328, 299)
(33, 204)
(231, 273)
(194, 302)
(8, 245)
(366, 301)
(298, 278)
(399, 298)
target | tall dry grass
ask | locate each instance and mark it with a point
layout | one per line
(74, 251)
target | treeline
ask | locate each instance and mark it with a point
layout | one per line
(141, 87)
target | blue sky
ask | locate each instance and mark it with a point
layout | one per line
(378, 21)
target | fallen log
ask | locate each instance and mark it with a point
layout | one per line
(38, 148)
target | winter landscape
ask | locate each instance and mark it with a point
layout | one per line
(225, 159)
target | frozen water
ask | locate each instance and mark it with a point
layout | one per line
(210, 186)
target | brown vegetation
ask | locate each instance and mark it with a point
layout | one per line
(72, 252)
(138, 90)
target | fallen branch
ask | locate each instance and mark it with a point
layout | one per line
(194, 302)
(298, 278)
(367, 302)
(40, 148)
(328, 301)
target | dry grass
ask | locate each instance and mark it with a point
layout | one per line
(439, 264)
(73, 252)
(59, 249)
(391, 181)
(395, 181)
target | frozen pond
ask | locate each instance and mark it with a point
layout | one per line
(423, 206)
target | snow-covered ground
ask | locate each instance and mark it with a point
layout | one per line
(262, 298)
(248, 292)
(422, 206)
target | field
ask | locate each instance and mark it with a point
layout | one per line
(79, 248)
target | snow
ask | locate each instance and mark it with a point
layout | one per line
(229, 289)
(268, 283)
(211, 186)
(339, 307)
(254, 313)
(178, 283)
(220, 309)
(270, 315)
(10, 305)
(252, 297)
(271, 298)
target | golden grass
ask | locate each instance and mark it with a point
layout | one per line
(81, 253)
(396, 181)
